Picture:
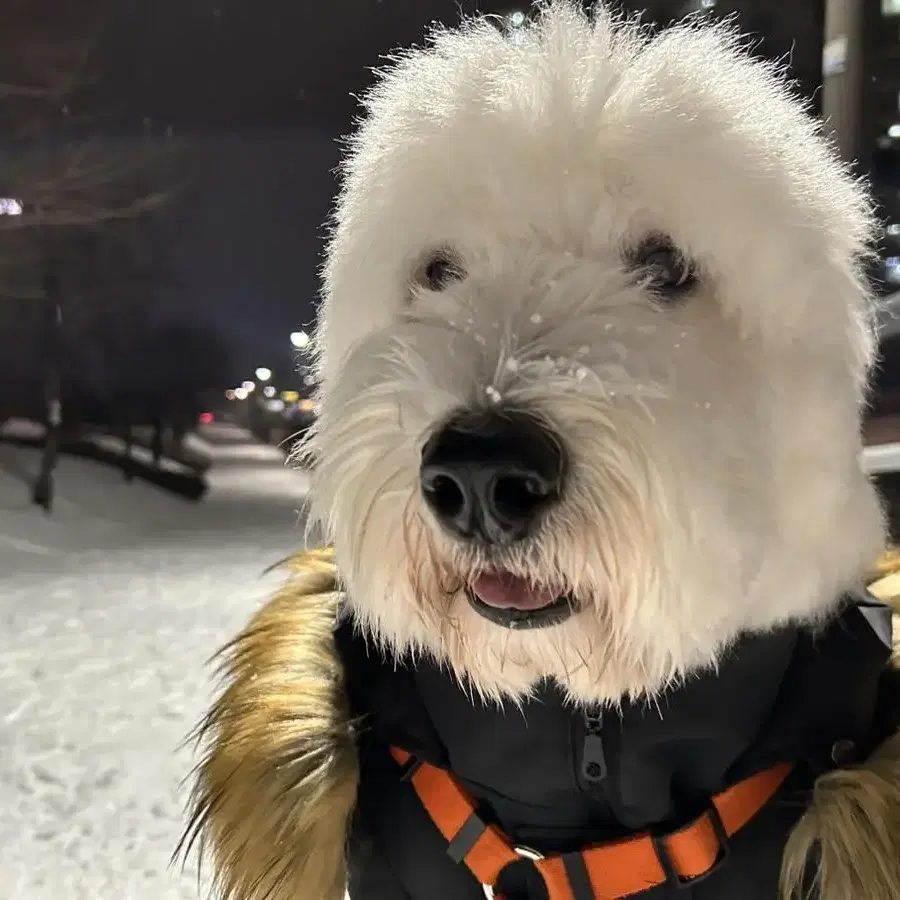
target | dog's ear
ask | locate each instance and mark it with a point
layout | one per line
(276, 788)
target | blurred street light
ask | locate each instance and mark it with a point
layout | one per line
(263, 374)
(248, 386)
(300, 339)
(240, 394)
(230, 395)
(269, 390)
(10, 206)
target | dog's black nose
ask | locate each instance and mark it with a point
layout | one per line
(488, 476)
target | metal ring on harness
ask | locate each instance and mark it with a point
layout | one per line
(525, 853)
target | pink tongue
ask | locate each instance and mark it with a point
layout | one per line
(505, 591)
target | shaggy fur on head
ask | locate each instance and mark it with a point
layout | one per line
(713, 440)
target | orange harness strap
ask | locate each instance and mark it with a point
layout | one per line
(603, 872)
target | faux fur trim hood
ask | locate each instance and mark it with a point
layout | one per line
(276, 787)
(277, 783)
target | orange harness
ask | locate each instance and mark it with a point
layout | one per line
(603, 872)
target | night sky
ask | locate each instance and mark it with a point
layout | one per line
(260, 93)
(245, 245)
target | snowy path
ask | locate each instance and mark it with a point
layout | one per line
(102, 670)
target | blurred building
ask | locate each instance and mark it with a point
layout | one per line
(861, 101)
(881, 104)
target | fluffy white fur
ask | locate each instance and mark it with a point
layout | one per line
(715, 485)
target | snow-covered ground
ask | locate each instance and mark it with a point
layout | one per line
(109, 611)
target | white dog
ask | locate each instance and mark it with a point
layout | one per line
(593, 351)
(648, 250)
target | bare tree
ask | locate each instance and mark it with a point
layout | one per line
(63, 184)
(119, 269)
(54, 163)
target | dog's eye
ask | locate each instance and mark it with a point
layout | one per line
(439, 270)
(663, 268)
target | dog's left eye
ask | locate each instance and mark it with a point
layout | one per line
(663, 268)
(439, 270)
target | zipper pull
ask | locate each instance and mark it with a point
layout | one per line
(593, 756)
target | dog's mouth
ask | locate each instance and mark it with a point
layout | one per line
(514, 602)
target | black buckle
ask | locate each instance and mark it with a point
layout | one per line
(525, 855)
(673, 877)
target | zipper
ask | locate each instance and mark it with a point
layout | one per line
(593, 739)
(593, 753)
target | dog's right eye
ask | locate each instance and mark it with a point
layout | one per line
(438, 271)
(663, 268)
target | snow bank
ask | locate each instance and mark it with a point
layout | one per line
(879, 459)
(93, 505)
(252, 494)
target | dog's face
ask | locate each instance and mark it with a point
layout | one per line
(593, 351)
